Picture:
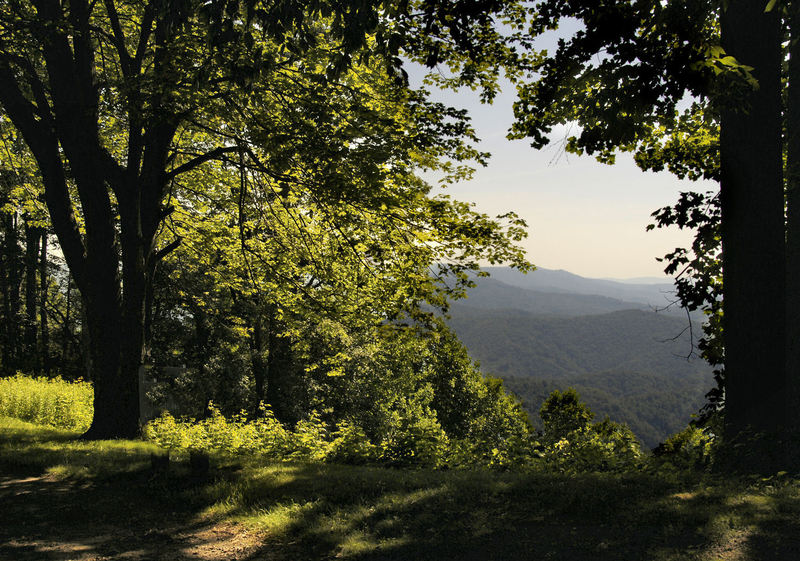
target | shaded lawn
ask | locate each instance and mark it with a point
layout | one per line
(65, 499)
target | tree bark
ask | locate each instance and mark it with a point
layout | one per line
(11, 300)
(752, 200)
(32, 237)
(280, 383)
(793, 239)
(259, 365)
(65, 329)
(43, 290)
(4, 323)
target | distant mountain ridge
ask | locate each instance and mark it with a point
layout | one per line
(657, 295)
(491, 294)
(552, 330)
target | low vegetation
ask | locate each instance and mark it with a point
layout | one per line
(577, 489)
(255, 508)
(47, 401)
(569, 441)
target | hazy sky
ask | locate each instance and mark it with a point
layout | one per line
(583, 216)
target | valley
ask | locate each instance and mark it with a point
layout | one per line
(614, 342)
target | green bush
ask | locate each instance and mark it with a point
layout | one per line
(264, 435)
(605, 446)
(351, 445)
(47, 401)
(573, 444)
(412, 440)
(691, 448)
(563, 413)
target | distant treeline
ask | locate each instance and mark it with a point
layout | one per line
(652, 406)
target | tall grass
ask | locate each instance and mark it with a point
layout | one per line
(47, 401)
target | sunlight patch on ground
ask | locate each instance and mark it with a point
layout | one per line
(278, 519)
(732, 548)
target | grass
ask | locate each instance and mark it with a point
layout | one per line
(47, 401)
(322, 511)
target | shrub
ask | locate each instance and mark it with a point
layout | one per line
(47, 401)
(572, 444)
(411, 441)
(691, 448)
(263, 435)
(351, 445)
(563, 413)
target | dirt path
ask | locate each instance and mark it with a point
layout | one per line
(43, 518)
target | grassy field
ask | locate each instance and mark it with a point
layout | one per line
(66, 499)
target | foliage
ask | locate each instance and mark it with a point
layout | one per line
(605, 446)
(323, 511)
(690, 449)
(621, 77)
(293, 116)
(698, 275)
(654, 407)
(563, 413)
(413, 438)
(47, 401)
(573, 444)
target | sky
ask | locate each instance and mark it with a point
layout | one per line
(583, 216)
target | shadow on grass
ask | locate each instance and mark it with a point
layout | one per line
(101, 501)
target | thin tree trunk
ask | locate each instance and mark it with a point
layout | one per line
(32, 236)
(259, 365)
(65, 331)
(4, 285)
(43, 289)
(12, 299)
(753, 241)
(279, 373)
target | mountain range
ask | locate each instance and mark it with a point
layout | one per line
(552, 330)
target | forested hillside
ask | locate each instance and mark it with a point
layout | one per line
(633, 364)
(518, 343)
(654, 407)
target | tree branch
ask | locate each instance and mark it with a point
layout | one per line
(167, 249)
(201, 159)
(119, 39)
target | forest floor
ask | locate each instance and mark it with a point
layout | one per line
(62, 499)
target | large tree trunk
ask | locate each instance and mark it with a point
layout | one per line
(753, 230)
(114, 370)
(793, 241)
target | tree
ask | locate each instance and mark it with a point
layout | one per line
(563, 413)
(621, 78)
(752, 226)
(111, 96)
(24, 275)
(266, 268)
